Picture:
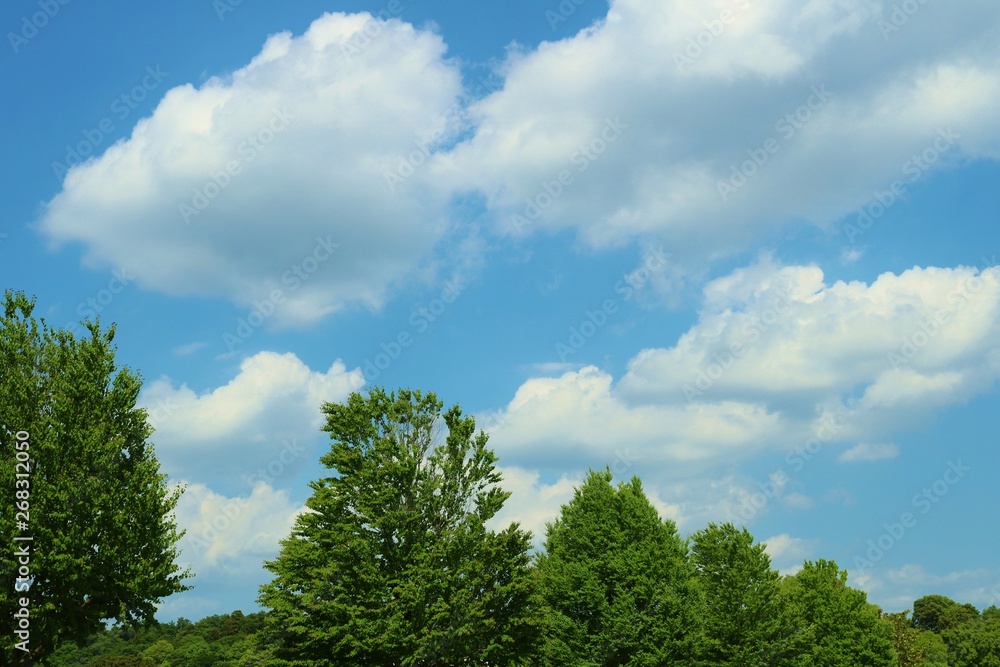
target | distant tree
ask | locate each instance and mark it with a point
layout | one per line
(975, 644)
(957, 616)
(838, 627)
(616, 582)
(743, 615)
(393, 563)
(95, 505)
(929, 610)
(933, 648)
(906, 641)
(160, 652)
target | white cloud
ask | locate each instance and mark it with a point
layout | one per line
(693, 115)
(579, 416)
(895, 589)
(533, 503)
(870, 452)
(788, 553)
(312, 131)
(234, 534)
(268, 415)
(815, 364)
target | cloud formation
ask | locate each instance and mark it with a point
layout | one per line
(273, 177)
(267, 418)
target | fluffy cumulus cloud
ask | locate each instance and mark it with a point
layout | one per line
(227, 540)
(787, 553)
(233, 534)
(779, 361)
(274, 177)
(708, 123)
(327, 168)
(261, 425)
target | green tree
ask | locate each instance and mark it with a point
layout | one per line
(743, 615)
(393, 563)
(98, 510)
(929, 610)
(933, 648)
(838, 627)
(616, 582)
(159, 652)
(975, 644)
(906, 640)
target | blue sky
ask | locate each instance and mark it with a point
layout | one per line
(743, 250)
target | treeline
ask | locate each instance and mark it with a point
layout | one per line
(227, 640)
(940, 633)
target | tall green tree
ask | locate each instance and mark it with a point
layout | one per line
(743, 613)
(974, 644)
(393, 563)
(838, 627)
(906, 641)
(616, 582)
(930, 610)
(95, 505)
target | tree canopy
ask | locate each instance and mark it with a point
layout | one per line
(99, 537)
(393, 563)
(616, 581)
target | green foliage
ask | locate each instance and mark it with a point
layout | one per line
(974, 644)
(744, 622)
(100, 511)
(393, 563)
(929, 610)
(198, 643)
(933, 648)
(617, 586)
(906, 640)
(837, 627)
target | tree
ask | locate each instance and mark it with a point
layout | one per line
(615, 580)
(838, 627)
(906, 640)
(938, 614)
(742, 611)
(95, 505)
(974, 644)
(393, 563)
